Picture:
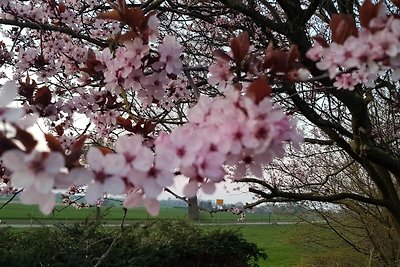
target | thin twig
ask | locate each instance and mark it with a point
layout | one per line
(11, 199)
(112, 245)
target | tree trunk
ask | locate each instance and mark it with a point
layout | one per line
(98, 213)
(193, 209)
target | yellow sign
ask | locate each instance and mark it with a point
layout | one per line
(220, 201)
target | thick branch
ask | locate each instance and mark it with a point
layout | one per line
(319, 141)
(292, 7)
(49, 27)
(384, 159)
(289, 196)
(310, 11)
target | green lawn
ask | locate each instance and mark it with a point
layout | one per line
(275, 240)
(299, 245)
(286, 245)
(16, 212)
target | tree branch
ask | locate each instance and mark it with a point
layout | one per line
(280, 196)
(11, 199)
(49, 27)
(310, 11)
(319, 141)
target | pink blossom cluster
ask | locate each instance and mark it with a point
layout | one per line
(5, 181)
(130, 69)
(132, 169)
(36, 173)
(225, 131)
(175, 92)
(73, 197)
(362, 58)
(230, 130)
(221, 75)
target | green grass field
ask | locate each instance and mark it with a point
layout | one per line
(275, 240)
(286, 245)
(299, 245)
(18, 213)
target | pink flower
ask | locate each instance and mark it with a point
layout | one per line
(315, 52)
(153, 23)
(191, 188)
(8, 94)
(346, 81)
(179, 149)
(136, 198)
(387, 42)
(170, 51)
(328, 61)
(107, 174)
(136, 155)
(202, 111)
(152, 181)
(251, 162)
(152, 206)
(220, 74)
(154, 85)
(46, 201)
(347, 54)
(135, 51)
(37, 169)
(210, 166)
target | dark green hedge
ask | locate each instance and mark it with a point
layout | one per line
(158, 243)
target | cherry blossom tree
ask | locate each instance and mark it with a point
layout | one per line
(132, 94)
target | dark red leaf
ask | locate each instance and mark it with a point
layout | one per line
(135, 18)
(59, 130)
(396, 3)
(105, 150)
(222, 55)
(240, 47)
(61, 7)
(274, 59)
(280, 61)
(26, 139)
(368, 11)
(149, 127)
(125, 123)
(27, 88)
(6, 144)
(111, 15)
(43, 96)
(52, 3)
(91, 63)
(72, 159)
(54, 143)
(342, 26)
(321, 40)
(293, 55)
(77, 146)
(259, 89)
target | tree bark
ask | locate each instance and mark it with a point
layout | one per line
(193, 209)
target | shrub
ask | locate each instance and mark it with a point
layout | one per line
(157, 243)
